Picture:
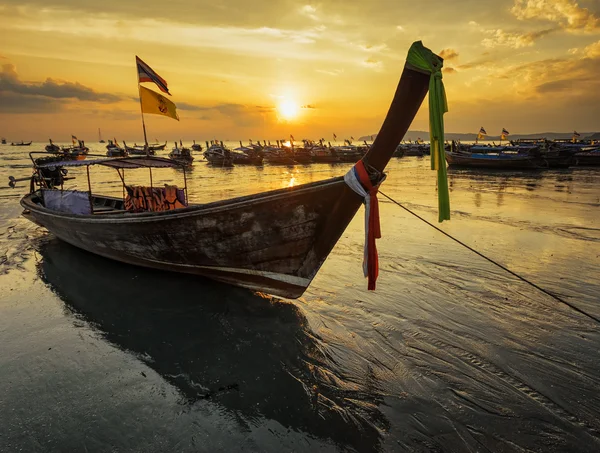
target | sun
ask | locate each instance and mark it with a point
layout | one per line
(288, 109)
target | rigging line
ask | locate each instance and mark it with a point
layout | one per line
(523, 279)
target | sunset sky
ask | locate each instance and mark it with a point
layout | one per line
(238, 69)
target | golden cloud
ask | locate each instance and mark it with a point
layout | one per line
(565, 13)
(515, 40)
(449, 54)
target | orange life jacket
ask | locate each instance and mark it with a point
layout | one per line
(171, 200)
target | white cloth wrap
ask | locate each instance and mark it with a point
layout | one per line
(351, 179)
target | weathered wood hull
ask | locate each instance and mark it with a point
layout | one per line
(273, 242)
(588, 159)
(245, 159)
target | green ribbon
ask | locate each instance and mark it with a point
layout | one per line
(424, 59)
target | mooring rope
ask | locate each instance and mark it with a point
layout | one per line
(523, 279)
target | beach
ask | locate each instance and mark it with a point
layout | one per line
(450, 353)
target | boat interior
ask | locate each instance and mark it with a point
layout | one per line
(101, 204)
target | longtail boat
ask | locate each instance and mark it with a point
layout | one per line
(500, 161)
(275, 241)
(589, 158)
(182, 155)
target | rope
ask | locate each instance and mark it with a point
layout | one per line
(514, 274)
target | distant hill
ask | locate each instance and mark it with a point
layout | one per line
(414, 135)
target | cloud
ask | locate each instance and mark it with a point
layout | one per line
(476, 64)
(572, 79)
(308, 106)
(561, 85)
(400, 28)
(373, 63)
(373, 48)
(449, 70)
(298, 42)
(449, 54)
(51, 95)
(240, 114)
(331, 72)
(15, 103)
(309, 11)
(592, 51)
(565, 13)
(515, 40)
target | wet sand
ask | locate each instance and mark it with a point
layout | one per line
(449, 354)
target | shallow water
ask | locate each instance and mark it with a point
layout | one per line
(449, 354)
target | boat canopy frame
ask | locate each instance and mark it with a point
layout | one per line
(119, 164)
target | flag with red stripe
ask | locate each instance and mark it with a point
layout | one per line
(147, 74)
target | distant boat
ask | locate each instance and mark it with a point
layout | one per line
(181, 154)
(589, 158)
(140, 149)
(77, 151)
(100, 137)
(501, 161)
(114, 150)
(21, 143)
(196, 146)
(4, 141)
(218, 155)
(52, 148)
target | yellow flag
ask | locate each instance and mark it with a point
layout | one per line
(157, 104)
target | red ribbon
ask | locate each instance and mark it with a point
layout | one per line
(374, 226)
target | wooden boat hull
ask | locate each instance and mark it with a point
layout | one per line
(303, 159)
(588, 159)
(279, 160)
(509, 163)
(273, 242)
(326, 159)
(244, 159)
(116, 152)
(216, 161)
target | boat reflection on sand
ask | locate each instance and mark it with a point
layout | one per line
(254, 356)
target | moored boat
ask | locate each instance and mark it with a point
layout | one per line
(196, 146)
(588, 158)
(248, 155)
(3, 141)
(500, 161)
(218, 155)
(182, 155)
(138, 150)
(279, 155)
(21, 143)
(52, 148)
(274, 241)
(114, 150)
(302, 155)
(77, 151)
